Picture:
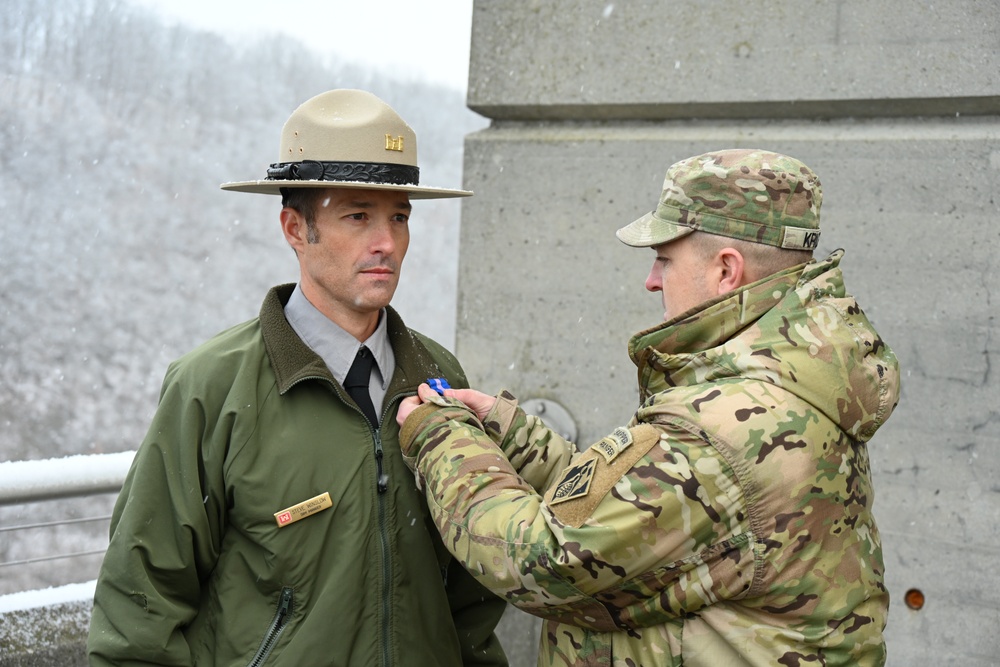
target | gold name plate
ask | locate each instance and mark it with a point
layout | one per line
(303, 509)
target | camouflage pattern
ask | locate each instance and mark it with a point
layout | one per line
(730, 522)
(753, 195)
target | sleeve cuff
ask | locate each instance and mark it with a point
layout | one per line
(411, 427)
(501, 416)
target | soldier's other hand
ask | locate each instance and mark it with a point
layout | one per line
(476, 401)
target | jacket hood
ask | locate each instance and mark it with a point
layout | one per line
(798, 330)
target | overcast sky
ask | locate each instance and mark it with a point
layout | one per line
(423, 39)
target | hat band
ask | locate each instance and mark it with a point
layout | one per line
(779, 234)
(354, 172)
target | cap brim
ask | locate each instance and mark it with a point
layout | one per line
(274, 188)
(650, 230)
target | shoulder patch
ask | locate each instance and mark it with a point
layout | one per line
(612, 445)
(585, 483)
(575, 482)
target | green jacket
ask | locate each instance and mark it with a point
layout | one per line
(198, 571)
(729, 523)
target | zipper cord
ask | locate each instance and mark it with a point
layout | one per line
(382, 477)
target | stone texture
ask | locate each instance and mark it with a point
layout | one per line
(53, 636)
(590, 59)
(895, 106)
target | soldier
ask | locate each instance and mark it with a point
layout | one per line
(730, 521)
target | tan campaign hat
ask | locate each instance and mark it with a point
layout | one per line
(346, 139)
(749, 194)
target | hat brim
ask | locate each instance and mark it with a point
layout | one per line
(274, 188)
(651, 230)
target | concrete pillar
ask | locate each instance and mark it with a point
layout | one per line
(896, 105)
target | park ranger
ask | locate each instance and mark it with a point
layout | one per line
(268, 517)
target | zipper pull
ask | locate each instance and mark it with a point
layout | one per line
(285, 605)
(383, 479)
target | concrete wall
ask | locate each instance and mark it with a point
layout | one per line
(49, 636)
(895, 104)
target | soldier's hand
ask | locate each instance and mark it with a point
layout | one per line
(408, 405)
(476, 401)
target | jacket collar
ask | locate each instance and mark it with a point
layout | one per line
(716, 321)
(798, 330)
(293, 361)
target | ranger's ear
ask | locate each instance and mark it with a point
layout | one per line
(294, 227)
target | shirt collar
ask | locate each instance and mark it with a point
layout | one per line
(335, 346)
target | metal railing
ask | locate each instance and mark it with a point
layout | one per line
(45, 542)
(48, 479)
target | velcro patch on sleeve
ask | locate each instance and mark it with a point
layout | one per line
(575, 482)
(585, 483)
(612, 445)
(500, 417)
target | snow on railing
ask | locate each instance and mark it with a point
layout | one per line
(48, 479)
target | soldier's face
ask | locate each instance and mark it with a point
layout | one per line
(682, 275)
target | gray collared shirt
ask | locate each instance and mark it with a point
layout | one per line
(337, 348)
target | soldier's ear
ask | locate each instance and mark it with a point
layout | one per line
(731, 269)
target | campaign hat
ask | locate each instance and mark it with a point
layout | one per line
(346, 139)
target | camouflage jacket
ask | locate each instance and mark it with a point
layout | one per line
(729, 523)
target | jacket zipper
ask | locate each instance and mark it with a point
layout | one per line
(383, 485)
(278, 624)
(382, 479)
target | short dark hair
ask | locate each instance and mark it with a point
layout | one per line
(304, 201)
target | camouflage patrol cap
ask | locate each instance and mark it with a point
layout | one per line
(748, 194)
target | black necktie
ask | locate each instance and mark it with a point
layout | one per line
(356, 384)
